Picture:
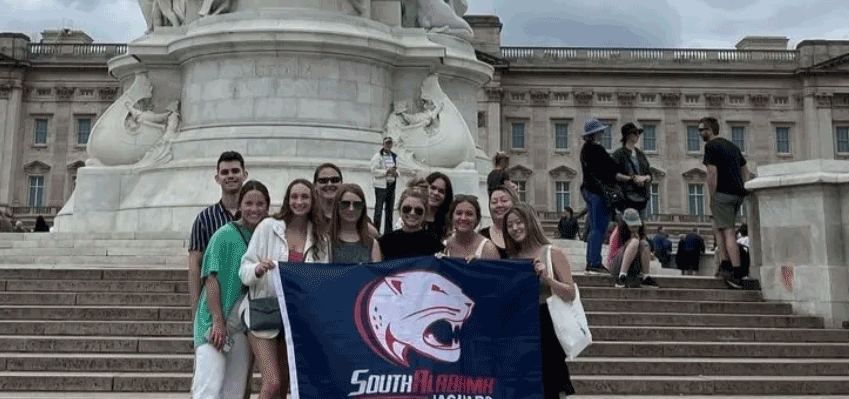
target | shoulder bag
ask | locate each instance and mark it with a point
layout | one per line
(569, 318)
(264, 312)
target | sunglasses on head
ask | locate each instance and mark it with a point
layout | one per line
(409, 209)
(357, 205)
(325, 180)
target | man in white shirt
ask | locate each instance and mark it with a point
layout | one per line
(385, 172)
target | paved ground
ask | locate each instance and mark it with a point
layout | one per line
(110, 395)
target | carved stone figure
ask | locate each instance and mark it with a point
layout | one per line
(214, 7)
(161, 151)
(163, 13)
(437, 136)
(440, 17)
(123, 134)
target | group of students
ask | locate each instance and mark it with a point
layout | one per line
(325, 221)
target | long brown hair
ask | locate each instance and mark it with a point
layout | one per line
(313, 216)
(362, 223)
(459, 200)
(249, 186)
(534, 236)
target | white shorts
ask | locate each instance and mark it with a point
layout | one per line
(219, 375)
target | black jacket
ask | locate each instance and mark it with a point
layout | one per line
(597, 167)
(622, 157)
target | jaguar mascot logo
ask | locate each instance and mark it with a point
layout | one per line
(401, 312)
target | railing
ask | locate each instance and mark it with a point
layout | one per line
(39, 210)
(647, 54)
(548, 216)
(42, 50)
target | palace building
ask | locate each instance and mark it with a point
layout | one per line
(775, 103)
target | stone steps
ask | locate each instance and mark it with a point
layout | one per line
(706, 366)
(717, 349)
(712, 385)
(96, 344)
(94, 286)
(717, 334)
(91, 298)
(106, 313)
(647, 306)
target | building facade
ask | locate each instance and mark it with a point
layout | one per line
(777, 104)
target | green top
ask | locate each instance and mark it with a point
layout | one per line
(223, 256)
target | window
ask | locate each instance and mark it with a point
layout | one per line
(697, 200)
(607, 137)
(649, 138)
(693, 138)
(781, 100)
(561, 135)
(738, 137)
(647, 98)
(736, 99)
(36, 192)
(691, 98)
(782, 140)
(653, 207)
(605, 98)
(520, 189)
(40, 136)
(843, 139)
(561, 195)
(83, 130)
(518, 135)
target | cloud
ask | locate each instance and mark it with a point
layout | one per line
(104, 20)
(627, 23)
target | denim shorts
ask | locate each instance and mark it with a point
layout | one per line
(725, 208)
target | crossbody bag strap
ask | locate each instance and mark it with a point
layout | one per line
(239, 229)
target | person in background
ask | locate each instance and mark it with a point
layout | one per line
(350, 240)
(631, 259)
(525, 240)
(568, 224)
(498, 176)
(19, 227)
(439, 196)
(465, 242)
(384, 172)
(222, 356)
(634, 164)
(291, 235)
(501, 200)
(662, 248)
(690, 250)
(41, 225)
(412, 239)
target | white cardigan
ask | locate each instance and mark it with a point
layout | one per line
(269, 241)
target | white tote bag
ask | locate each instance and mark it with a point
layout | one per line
(569, 319)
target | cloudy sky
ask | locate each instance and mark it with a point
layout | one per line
(597, 23)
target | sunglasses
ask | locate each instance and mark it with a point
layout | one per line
(325, 180)
(409, 209)
(357, 205)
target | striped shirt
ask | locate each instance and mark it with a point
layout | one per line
(206, 224)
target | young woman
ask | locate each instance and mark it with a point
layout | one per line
(525, 240)
(465, 215)
(501, 200)
(350, 240)
(221, 347)
(631, 252)
(292, 235)
(439, 197)
(327, 180)
(412, 239)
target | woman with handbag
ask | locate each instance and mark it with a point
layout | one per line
(600, 190)
(350, 240)
(525, 240)
(292, 235)
(634, 164)
(221, 347)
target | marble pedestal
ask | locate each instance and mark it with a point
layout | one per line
(802, 222)
(288, 88)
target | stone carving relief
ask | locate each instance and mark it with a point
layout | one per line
(840, 100)
(167, 12)
(161, 151)
(823, 100)
(64, 93)
(540, 97)
(626, 99)
(440, 16)
(670, 100)
(494, 93)
(128, 128)
(759, 100)
(563, 172)
(584, 98)
(36, 168)
(695, 175)
(436, 136)
(714, 100)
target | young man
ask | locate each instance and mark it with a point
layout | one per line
(230, 174)
(662, 248)
(726, 173)
(385, 172)
(568, 225)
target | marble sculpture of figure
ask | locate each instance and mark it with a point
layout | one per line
(440, 17)
(214, 7)
(163, 13)
(435, 137)
(161, 151)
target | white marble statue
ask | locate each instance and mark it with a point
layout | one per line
(440, 17)
(163, 13)
(435, 137)
(123, 134)
(214, 7)
(161, 151)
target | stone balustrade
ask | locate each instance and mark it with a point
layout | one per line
(40, 51)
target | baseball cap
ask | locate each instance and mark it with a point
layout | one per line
(632, 218)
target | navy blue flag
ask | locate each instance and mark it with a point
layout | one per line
(422, 327)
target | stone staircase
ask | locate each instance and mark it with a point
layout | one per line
(109, 313)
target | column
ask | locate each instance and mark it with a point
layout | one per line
(11, 136)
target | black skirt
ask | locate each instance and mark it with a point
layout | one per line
(555, 373)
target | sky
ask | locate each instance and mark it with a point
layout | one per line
(588, 23)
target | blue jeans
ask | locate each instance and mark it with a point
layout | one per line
(384, 197)
(599, 216)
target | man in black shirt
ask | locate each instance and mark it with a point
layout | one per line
(568, 225)
(726, 173)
